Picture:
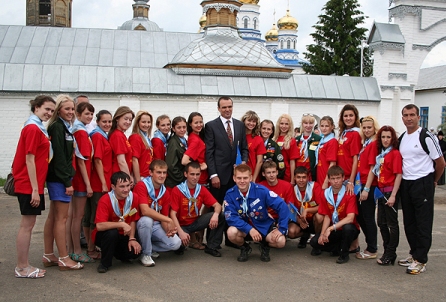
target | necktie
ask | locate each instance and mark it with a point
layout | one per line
(229, 132)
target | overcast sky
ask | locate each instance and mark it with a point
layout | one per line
(183, 16)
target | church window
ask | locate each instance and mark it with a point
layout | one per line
(424, 117)
(288, 44)
(255, 23)
(245, 23)
(45, 7)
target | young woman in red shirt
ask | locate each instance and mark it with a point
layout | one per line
(256, 147)
(326, 151)
(161, 137)
(30, 167)
(349, 144)
(141, 145)
(366, 201)
(388, 170)
(122, 150)
(81, 181)
(100, 176)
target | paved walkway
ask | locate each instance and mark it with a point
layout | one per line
(292, 274)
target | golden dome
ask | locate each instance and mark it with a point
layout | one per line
(249, 1)
(202, 21)
(288, 22)
(272, 34)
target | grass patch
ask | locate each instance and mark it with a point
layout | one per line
(2, 181)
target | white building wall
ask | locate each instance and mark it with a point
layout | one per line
(16, 110)
(434, 99)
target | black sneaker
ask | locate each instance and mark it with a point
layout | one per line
(264, 252)
(102, 269)
(343, 259)
(245, 250)
(302, 243)
(315, 252)
(213, 252)
(180, 251)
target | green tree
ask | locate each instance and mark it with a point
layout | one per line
(338, 35)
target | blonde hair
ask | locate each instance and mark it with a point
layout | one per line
(251, 115)
(60, 100)
(290, 134)
(369, 118)
(136, 130)
(307, 118)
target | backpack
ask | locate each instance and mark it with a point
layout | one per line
(423, 135)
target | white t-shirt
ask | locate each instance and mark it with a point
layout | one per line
(416, 162)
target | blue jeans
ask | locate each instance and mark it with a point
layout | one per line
(154, 238)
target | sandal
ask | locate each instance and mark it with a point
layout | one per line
(94, 254)
(83, 258)
(31, 272)
(64, 267)
(47, 261)
(197, 246)
(364, 255)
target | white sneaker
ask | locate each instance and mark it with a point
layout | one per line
(155, 255)
(146, 260)
(416, 268)
(406, 261)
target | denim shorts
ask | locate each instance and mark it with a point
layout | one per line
(79, 194)
(56, 191)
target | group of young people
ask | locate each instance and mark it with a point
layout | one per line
(241, 180)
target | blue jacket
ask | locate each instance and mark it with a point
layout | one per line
(259, 199)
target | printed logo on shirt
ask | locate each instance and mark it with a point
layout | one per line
(272, 194)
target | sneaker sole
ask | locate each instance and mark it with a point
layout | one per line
(405, 264)
(147, 265)
(414, 272)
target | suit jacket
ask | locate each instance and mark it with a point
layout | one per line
(220, 155)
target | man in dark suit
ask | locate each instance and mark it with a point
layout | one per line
(223, 135)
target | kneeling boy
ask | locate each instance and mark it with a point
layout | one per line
(339, 227)
(116, 218)
(246, 212)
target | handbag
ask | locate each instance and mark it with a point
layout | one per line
(9, 185)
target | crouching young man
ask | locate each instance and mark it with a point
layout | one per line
(246, 212)
(285, 190)
(156, 230)
(187, 199)
(307, 195)
(115, 221)
(339, 227)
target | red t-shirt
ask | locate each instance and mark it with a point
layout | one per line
(327, 153)
(142, 153)
(197, 152)
(314, 202)
(102, 151)
(120, 145)
(367, 158)
(349, 146)
(292, 153)
(285, 191)
(392, 165)
(159, 151)
(302, 161)
(256, 147)
(32, 141)
(347, 206)
(84, 145)
(180, 204)
(164, 202)
(105, 213)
